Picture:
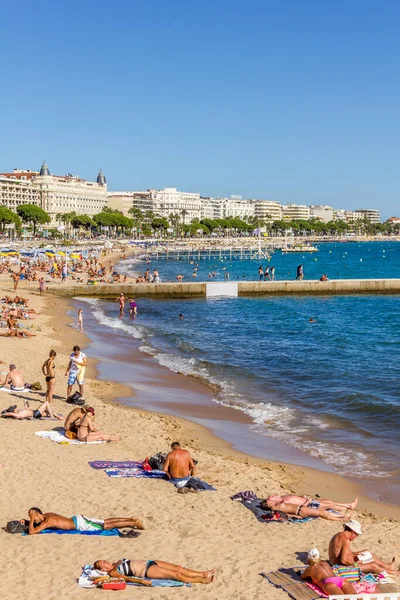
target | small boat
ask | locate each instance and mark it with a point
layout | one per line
(299, 248)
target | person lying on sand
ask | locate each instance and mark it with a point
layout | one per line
(179, 465)
(323, 503)
(129, 570)
(28, 413)
(340, 552)
(301, 511)
(322, 575)
(87, 432)
(39, 521)
(14, 380)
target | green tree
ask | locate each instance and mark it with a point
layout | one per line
(30, 213)
(7, 217)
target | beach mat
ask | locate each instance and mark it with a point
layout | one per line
(288, 581)
(141, 474)
(104, 532)
(263, 515)
(85, 581)
(116, 464)
(60, 438)
(5, 389)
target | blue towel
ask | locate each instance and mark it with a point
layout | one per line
(162, 583)
(106, 532)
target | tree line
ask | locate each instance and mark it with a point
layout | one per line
(145, 224)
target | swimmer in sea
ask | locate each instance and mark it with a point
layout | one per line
(181, 316)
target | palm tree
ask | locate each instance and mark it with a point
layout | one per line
(184, 212)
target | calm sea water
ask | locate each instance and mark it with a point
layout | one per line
(340, 261)
(329, 388)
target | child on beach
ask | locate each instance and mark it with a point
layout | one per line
(42, 287)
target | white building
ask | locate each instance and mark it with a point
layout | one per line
(267, 210)
(53, 193)
(339, 214)
(225, 208)
(322, 213)
(171, 201)
(293, 212)
(371, 214)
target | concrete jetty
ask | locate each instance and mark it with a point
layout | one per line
(244, 288)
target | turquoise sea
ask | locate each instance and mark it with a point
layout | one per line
(329, 388)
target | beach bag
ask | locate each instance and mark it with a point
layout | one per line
(16, 527)
(76, 399)
(157, 461)
(195, 484)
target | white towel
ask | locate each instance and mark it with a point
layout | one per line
(60, 438)
(5, 389)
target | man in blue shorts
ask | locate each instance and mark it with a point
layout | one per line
(76, 370)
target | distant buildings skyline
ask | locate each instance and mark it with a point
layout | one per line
(58, 194)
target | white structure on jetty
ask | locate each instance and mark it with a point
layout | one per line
(53, 193)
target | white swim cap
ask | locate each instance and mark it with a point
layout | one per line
(313, 554)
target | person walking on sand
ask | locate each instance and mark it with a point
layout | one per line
(322, 575)
(131, 570)
(87, 432)
(340, 552)
(48, 370)
(179, 465)
(121, 299)
(79, 324)
(76, 370)
(38, 521)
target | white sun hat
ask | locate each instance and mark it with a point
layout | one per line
(314, 554)
(354, 526)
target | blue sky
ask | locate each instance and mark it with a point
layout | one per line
(280, 99)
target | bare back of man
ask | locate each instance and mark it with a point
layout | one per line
(179, 464)
(73, 417)
(15, 379)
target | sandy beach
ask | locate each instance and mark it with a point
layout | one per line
(200, 531)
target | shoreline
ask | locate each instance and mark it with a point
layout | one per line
(204, 530)
(306, 478)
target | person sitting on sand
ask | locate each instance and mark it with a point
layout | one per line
(44, 410)
(38, 521)
(323, 503)
(322, 575)
(14, 380)
(301, 511)
(74, 418)
(340, 552)
(129, 569)
(179, 465)
(87, 432)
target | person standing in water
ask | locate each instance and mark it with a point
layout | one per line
(79, 324)
(132, 307)
(121, 300)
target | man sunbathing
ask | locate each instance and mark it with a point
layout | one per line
(131, 570)
(301, 511)
(324, 503)
(340, 552)
(44, 410)
(14, 380)
(322, 575)
(179, 465)
(39, 521)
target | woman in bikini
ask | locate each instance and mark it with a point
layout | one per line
(29, 413)
(48, 370)
(87, 432)
(132, 570)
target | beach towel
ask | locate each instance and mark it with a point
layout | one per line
(80, 376)
(115, 464)
(104, 532)
(60, 438)
(141, 474)
(250, 501)
(88, 572)
(9, 391)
